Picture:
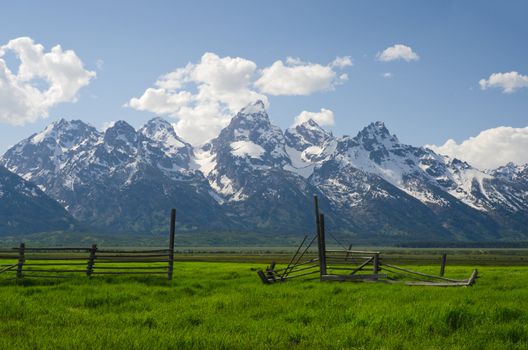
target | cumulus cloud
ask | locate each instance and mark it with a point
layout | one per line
(491, 148)
(204, 96)
(222, 84)
(398, 52)
(324, 117)
(508, 82)
(387, 75)
(295, 77)
(43, 80)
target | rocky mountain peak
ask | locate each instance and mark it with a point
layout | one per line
(120, 132)
(378, 133)
(160, 130)
(306, 134)
(65, 133)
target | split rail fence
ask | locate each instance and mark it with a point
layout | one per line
(351, 265)
(89, 261)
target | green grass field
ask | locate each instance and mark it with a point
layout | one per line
(225, 306)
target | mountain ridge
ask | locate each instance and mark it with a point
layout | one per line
(255, 176)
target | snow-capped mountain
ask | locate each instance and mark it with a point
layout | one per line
(256, 177)
(304, 145)
(24, 208)
(249, 168)
(120, 179)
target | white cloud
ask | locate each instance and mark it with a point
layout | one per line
(508, 82)
(204, 96)
(342, 62)
(43, 80)
(398, 52)
(491, 148)
(223, 86)
(324, 117)
(296, 77)
(387, 75)
(107, 125)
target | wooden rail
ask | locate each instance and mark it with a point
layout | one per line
(63, 262)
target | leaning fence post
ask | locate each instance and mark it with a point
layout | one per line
(21, 259)
(322, 246)
(171, 243)
(442, 265)
(91, 260)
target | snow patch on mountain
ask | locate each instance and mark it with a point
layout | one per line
(246, 148)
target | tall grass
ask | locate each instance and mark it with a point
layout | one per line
(225, 306)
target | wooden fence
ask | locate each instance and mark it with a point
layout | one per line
(89, 261)
(352, 265)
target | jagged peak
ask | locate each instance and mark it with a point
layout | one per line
(61, 127)
(377, 133)
(120, 130)
(376, 128)
(162, 130)
(254, 108)
(253, 113)
(158, 121)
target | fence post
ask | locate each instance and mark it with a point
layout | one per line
(21, 259)
(91, 260)
(348, 252)
(376, 264)
(322, 246)
(171, 244)
(442, 265)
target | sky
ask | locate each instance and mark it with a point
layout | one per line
(449, 74)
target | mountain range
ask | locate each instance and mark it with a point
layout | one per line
(255, 177)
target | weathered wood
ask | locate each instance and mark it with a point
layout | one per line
(8, 257)
(322, 245)
(437, 284)
(91, 260)
(360, 267)
(369, 252)
(83, 249)
(465, 283)
(293, 257)
(126, 251)
(304, 268)
(101, 256)
(423, 274)
(263, 277)
(171, 244)
(132, 267)
(53, 258)
(473, 277)
(21, 259)
(296, 263)
(376, 264)
(301, 274)
(352, 277)
(52, 270)
(130, 273)
(130, 261)
(54, 264)
(10, 267)
(442, 264)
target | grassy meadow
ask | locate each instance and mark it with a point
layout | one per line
(223, 305)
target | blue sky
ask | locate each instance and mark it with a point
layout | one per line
(425, 101)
